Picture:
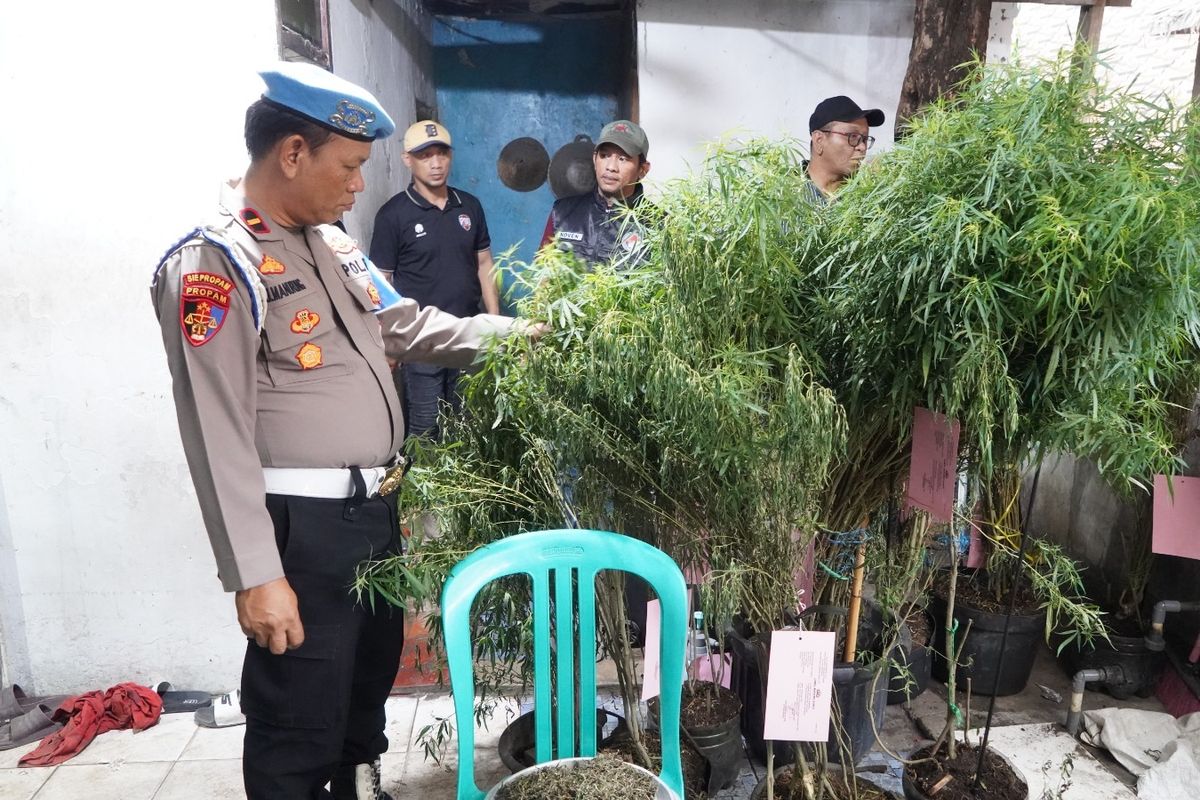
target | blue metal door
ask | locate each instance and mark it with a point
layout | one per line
(523, 89)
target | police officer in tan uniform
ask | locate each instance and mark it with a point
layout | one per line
(278, 340)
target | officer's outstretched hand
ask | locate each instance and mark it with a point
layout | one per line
(531, 329)
(270, 615)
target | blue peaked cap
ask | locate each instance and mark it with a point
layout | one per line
(327, 100)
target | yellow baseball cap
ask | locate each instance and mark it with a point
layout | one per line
(423, 134)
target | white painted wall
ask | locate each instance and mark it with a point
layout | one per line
(1151, 44)
(710, 68)
(117, 132)
(385, 46)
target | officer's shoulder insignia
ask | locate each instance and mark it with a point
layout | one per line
(271, 266)
(465, 221)
(254, 221)
(338, 241)
(309, 356)
(203, 305)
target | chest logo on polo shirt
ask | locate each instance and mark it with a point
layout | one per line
(465, 221)
(305, 320)
(419, 229)
(309, 356)
(203, 305)
(271, 266)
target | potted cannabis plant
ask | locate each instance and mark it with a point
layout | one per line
(670, 402)
(1024, 262)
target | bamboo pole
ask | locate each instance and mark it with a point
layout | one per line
(860, 564)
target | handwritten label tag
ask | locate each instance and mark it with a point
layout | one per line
(934, 463)
(1176, 517)
(652, 664)
(799, 686)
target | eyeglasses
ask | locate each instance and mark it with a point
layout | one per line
(853, 139)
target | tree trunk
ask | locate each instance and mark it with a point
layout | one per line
(946, 34)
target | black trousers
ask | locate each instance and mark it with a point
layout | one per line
(321, 705)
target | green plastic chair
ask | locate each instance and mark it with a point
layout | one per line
(553, 558)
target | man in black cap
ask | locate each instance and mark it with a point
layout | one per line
(840, 140)
(593, 225)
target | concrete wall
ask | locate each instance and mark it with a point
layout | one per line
(709, 68)
(118, 131)
(1151, 44)
(383, 45)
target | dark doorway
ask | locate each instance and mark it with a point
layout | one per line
(517, 82)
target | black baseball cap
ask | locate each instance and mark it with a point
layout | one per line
(842, 109)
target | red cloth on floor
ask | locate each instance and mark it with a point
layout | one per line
(126, 705)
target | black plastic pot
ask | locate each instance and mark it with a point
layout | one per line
(909, 664)
(908, 671)
(860, 699)
(859, 702)
(980, 652)
(911, 792)
(719, 744)
(1139, 666)
(518, 744)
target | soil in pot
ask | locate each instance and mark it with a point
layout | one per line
(788, 789)
(999, 780)
(600, 778)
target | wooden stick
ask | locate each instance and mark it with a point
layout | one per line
(860, 564)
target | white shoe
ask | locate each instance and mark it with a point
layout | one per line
(224, 712)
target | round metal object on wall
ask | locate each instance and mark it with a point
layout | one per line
(571, 169)
(522, 164)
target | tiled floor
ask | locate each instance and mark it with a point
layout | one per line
(177, 760)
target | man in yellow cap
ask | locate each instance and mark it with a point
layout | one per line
(277, 335)
(432, 239)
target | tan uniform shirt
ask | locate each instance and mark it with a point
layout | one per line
(278, 360)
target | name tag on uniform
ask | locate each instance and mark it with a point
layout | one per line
(570, 236)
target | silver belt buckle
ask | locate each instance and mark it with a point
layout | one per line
(377, 475)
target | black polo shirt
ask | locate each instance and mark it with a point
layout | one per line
(433, 251)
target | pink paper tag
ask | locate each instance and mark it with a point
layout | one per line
(799, 686)
(652, 663)
(803, 579)
(1176, 517)
(976, 557)
(703, 668)
(934, 463)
